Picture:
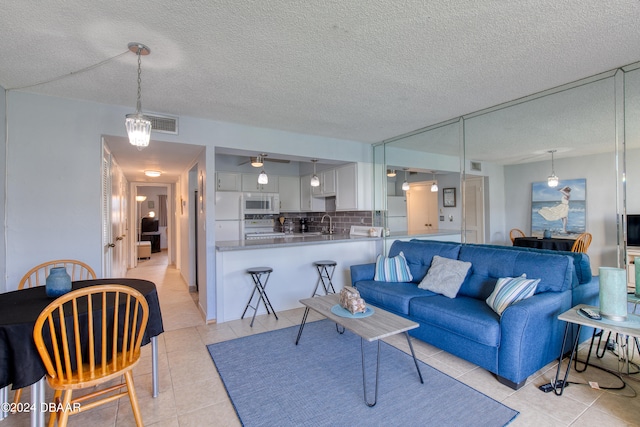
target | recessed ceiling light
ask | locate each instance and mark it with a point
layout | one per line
(153, 174)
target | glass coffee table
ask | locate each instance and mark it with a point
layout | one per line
(374, 327)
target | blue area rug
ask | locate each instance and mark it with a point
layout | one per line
(273, 382)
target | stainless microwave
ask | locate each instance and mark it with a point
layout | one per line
(260, 203)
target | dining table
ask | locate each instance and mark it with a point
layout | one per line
(20, 362)
(553, 243)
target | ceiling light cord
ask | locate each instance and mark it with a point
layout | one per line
(73, 73)
(139, 102)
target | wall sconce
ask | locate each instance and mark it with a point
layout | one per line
(405, 184)
(552, 181)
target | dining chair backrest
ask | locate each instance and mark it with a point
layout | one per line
(37, 276)
(90, 336)
(514, 233)
(582, 243)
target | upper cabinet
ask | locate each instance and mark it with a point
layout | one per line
(353, 187)
(308, 203)
(327, 187)
(289, 189)
(228, 181)
(250, 183)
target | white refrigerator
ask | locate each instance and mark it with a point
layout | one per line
(229, 218)
(397, 214)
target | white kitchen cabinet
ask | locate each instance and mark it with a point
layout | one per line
(308, 203)
(327, 187)
(228, 181)
(289, 189)
(347, 187)
(250, 183)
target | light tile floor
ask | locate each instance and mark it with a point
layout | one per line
(192, 394)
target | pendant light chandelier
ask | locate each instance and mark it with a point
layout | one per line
(553, 180)
(263, 178)
(138, 126)
(405, 184)
(434, 186)
(315, 181)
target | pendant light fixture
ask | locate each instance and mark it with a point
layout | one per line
(553, 180)
(263, 178)
(434, 186)
(138, 126)
(315, 181)
(405, 184)
(391, 173)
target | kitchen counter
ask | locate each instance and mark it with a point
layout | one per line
(431, 234)
(294, 275)
(290, 240)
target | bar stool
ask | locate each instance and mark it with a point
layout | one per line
(256, 275)
(325, 274)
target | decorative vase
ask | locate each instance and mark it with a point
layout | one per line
(613, 293)
(636, 265)
(58, 282)
(546, 234)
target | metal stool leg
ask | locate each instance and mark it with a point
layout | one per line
(262, 296)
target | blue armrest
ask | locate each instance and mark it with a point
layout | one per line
(362, 272)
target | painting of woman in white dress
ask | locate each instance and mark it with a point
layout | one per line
(560, 210)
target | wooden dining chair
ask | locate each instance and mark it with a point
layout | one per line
(92, 340)
(582, 243)
(514, 233)
(37, 276)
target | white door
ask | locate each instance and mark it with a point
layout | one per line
(422, 208)
(474, 209)
(114, 224)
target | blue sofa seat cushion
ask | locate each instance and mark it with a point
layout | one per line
(392, 296)
(419, 256)
(463, 316)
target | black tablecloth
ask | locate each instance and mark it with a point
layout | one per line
(553, 244)
(20, 362)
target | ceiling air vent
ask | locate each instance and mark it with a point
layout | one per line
(163, 124)
(476, 166)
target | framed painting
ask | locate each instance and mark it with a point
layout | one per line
(562, 210)
(449, 197)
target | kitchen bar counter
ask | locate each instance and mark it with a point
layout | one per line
(289, 240)
(291, 258)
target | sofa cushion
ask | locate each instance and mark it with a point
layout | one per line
(419, 256)
(391, 296)
(392, 269)
(462, 316)
(510, 290)
(490, 263)
(445, 276)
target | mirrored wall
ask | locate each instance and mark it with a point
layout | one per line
(491, 168)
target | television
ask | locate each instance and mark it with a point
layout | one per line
(633, 230)
(149, 225)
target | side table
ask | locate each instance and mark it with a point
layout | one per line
(627, 328)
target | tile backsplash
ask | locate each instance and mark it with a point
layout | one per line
(341, 221)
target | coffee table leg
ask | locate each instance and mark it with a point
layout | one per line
(338, 329)
(364, 377)
(558, 384)
(413, 354)
(304, 320)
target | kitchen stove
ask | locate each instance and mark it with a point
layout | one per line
(260, 229)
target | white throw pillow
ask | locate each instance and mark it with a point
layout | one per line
(445, 276)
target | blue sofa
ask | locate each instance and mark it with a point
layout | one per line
(527, 336)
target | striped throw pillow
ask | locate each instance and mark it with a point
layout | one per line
(393, 269)
(510, 290)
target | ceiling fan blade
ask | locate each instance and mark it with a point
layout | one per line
(268, 159)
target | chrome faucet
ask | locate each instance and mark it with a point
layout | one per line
(330, 223)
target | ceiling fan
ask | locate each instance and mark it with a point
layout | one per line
(259, 160)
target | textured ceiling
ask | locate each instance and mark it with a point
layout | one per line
(360, 70)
